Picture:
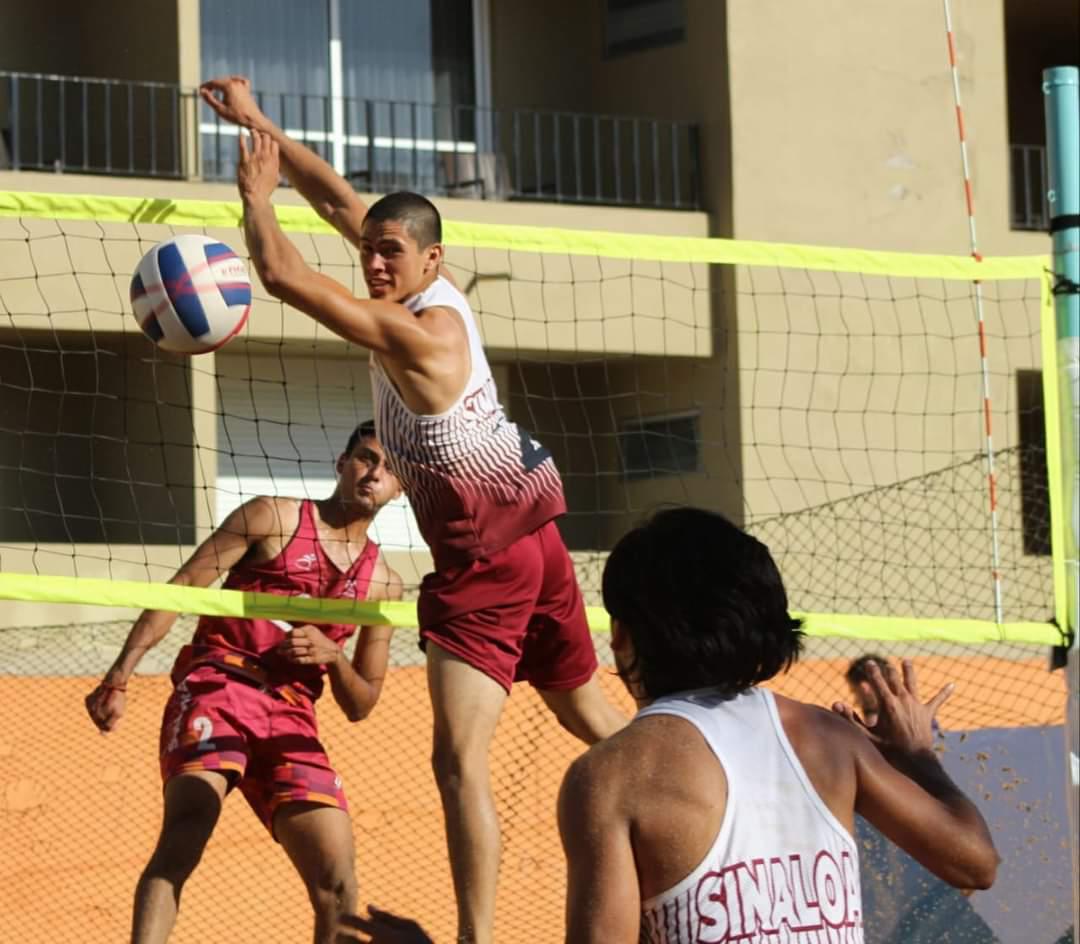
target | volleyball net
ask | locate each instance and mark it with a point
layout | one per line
(889, 439)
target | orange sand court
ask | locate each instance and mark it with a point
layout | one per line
(80, 811)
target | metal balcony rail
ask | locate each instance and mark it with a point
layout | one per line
(87, 125)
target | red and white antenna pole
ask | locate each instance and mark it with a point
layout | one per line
(969, 199)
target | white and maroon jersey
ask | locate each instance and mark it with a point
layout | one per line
(782, 867)
(476, 481)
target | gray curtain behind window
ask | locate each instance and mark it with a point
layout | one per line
(281, 45)
(386, 51)
(407, 76)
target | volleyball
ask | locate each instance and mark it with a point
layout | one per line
(191, 294)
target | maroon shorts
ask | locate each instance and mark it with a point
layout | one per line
(265, 744)
(517, 615)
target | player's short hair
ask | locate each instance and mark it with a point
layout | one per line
(417, 214)
(365, 430)
(858, 671)
(703, 603)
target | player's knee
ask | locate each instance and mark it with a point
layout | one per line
(588, 721)
(455, 769)
(333, 890)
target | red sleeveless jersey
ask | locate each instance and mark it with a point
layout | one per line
(246, 647)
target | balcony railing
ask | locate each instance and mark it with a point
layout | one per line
(1030, 207)
(85, 125)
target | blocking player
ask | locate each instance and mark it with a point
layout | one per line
(723, 812)
(503, 603)
(242, 713)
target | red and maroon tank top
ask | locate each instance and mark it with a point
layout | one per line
(246, 647)
(476, 481)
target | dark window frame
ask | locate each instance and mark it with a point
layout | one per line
(635, 457)
(615, 10)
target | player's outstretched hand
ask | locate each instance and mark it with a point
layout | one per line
(259, 168)
(306, 645)
(903, 722)
(230, 97)
(381, 927)
(105, 705)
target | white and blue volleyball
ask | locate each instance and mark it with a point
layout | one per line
(191, 294)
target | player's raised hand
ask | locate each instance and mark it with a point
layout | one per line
(230, 97)
(903, 722)
(306, 645)
(105, 705)
(259, 167)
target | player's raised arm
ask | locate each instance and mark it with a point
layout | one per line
(905, 792)
(385, 327)
(330, 195)
(249, 523)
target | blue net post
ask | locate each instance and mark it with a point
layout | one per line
(1061, 88)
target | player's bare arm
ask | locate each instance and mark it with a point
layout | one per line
(253, 522)
(603, 903)
(356, 685)
(416, 343)
(330, 195)
(903, 790)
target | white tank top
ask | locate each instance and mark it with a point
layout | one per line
(476, 481)
(782, 867)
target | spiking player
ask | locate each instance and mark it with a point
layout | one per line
(503, 602)
(242, 713)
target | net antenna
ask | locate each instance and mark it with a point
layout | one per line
(984, 364)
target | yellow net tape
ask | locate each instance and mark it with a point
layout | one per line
(645, 247)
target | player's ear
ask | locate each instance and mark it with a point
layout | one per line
(620, 638)
(339, 466)
(433, 257)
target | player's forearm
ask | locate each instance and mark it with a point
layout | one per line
(311, 176)
(972, 858)
(316, 181)
(276, 259)
(150, 628)
(354, 694)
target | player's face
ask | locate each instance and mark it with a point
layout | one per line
(365, 482)
(394, 264)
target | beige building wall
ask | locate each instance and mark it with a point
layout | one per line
(849, 139)
(842, 136)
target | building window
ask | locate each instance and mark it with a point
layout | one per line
(660, 445)
(373, 94)
(1034, 478)
(632, 25)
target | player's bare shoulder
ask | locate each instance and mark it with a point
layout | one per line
(612, 771)
(269, 521)
(386, 583)
(446, 325)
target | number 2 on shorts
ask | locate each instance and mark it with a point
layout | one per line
(204, 727)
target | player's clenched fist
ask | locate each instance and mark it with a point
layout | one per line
(105, 705)
(306, 645)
